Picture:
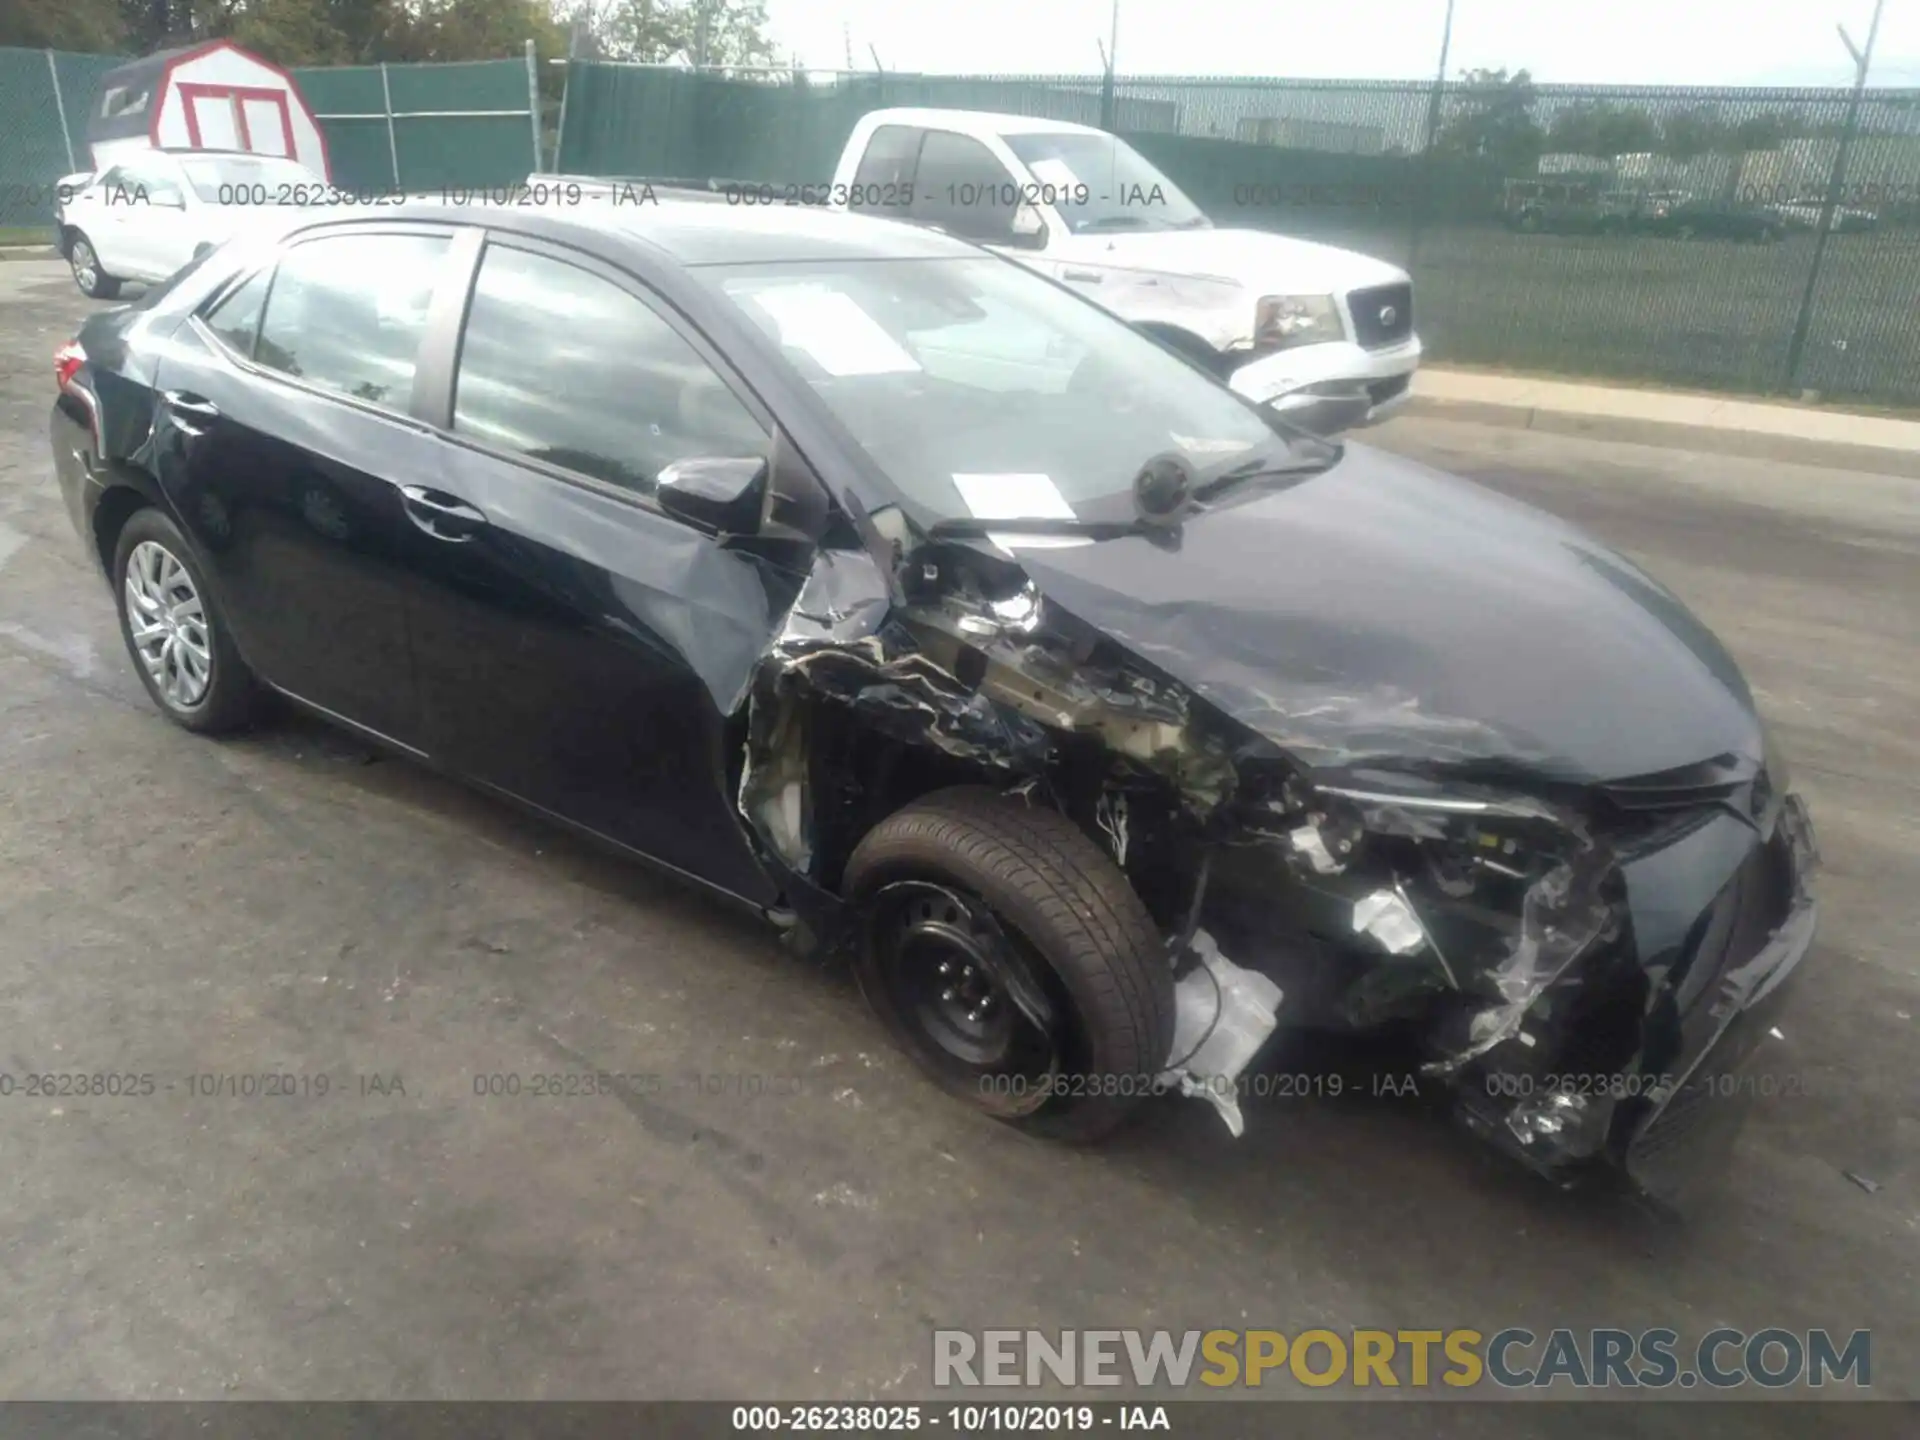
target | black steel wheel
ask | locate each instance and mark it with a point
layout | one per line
(1010, 958)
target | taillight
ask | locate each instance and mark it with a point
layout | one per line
(67, 361)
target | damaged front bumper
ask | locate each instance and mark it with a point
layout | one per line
(1709, 1039)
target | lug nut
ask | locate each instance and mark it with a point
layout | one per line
(949, 993)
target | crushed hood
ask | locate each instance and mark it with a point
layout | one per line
(1263, 263)
(1386, 610)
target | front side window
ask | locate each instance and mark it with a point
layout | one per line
(1099, 182)
(984, 392)
(963, 188)
(347, 312)
(150, 184)
(616, 393)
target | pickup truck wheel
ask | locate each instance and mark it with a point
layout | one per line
(1011, 959)
(94, 282)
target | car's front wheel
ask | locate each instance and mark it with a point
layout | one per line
(1012, 960)
(175, 630)
(94, 282)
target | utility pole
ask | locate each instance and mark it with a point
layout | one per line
(1426, 145)
(702, 31)
(1112, 57)
(1862, 62)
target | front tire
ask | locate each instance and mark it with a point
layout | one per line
(1012, 960)
(94, 282)
(175, 631)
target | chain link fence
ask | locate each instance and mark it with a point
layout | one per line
(1661, 235)
(44, 98)
(1664, 235)
(388, 127)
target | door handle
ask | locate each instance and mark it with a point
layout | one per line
(189, 411)
(443, 516)
(181, 402)
(1092, 277)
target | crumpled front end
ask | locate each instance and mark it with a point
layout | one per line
(1580, 965)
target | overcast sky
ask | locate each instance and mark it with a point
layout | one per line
(1649, 42)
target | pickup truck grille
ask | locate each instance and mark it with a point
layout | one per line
(1382, 315)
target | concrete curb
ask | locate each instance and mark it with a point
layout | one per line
(27, 252)
(1713, 439)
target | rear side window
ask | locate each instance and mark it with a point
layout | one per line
(236, 319)
(883, 185)
(563, 366)
(347, 312)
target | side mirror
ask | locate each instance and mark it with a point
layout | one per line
(1029, 230)
(725, 494)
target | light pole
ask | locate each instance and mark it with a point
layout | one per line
(1426, 142)
(1862, 62)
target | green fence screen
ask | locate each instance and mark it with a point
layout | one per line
(44, 95)
(422, 127)
(408, 127)
(1664, 235)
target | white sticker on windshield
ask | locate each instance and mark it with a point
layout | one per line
(1013, 497)
(834, 330)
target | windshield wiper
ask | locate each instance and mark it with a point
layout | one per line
(1035, 525)
(1252, 470)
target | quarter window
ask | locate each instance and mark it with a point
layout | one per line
(236, 319)
(347, 312)
(615, 392)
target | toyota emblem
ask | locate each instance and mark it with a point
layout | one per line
(1388, 314)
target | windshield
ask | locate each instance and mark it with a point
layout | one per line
(986, 393)
(1099, 182)
(251, 180)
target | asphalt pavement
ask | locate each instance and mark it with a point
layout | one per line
(784, 1209)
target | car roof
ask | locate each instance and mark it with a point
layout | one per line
(700, 231)
(979, 122)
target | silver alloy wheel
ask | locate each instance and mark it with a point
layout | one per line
(86, 267)
(168, 624)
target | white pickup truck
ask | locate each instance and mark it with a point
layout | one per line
(1286, 322)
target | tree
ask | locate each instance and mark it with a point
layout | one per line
(1490, 119)
(94, 26)
(731, 32)
(1701, 130)
(1598, 127)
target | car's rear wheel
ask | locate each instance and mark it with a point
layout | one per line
(1011, 959)
(94, 282)
(175, 630)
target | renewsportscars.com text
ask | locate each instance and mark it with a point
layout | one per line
(1512, 1358)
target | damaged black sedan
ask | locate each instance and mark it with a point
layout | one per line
(1109, 724)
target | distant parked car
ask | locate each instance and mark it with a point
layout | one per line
(144, 218)
(1694, 217)
(1803, 213)
(1555, 206)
